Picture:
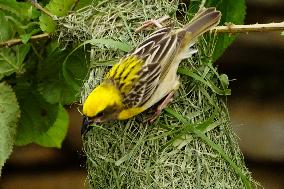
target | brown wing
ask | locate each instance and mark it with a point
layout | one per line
(159, 51)
(160, 46)
(144, 87)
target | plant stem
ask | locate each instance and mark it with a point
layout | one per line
(13, 42)
(229, 28)
(232, 28)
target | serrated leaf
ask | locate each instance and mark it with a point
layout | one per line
(233, 11)
(11, 59)
(57, 8)
(51, 83)
(37, 115)
(9, 115)
(57, 132)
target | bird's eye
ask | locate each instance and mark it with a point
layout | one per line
(100, 114)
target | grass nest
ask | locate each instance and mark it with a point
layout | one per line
(191, 145)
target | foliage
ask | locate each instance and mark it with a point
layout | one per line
(57, 8)
(9, 115)
(33, 89)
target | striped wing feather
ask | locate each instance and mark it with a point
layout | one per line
(157, 52)
(138, 74)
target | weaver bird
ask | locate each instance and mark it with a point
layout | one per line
(147, 74)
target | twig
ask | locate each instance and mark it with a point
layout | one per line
(232, 28)
(38, 6)
(228, 28)
(13, 42)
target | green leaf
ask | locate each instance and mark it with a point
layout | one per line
(11, 59)
(57, 132)
(26, 37)
(19, 10)
(84, 3)
(60, 7)
(51, 83)
(5, 29)
(37, 115)
(9, 115)
(204, 125)
(233, 11)
(111, 44)
(77, 67)
(47, 24)
(20, 16)
(57, 8)
(282, 33)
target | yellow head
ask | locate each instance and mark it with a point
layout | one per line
(103, 103)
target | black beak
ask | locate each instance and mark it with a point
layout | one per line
(86, 125)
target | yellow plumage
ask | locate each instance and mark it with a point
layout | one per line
(148, 73)
(102, 96)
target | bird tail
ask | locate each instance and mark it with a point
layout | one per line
(204, 20)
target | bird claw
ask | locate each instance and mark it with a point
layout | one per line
(162, 105)
(152, 118)
(154, 22)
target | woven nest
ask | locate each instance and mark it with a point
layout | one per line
(165, 154)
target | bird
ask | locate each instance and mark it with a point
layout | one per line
(146, 75)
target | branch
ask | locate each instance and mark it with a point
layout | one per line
(232, 28)
(13, 42)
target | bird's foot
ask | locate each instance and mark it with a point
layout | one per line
(152, 22)
(161, 106)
